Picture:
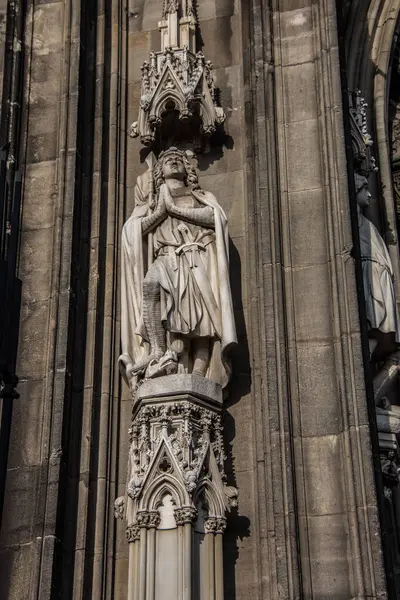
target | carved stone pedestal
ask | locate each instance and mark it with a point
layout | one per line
(388, 421)
(176, 496)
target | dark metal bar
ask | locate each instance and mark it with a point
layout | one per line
(10, 210)
(10, 303)
(3, 203)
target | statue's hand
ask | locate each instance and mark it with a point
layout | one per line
(154, 218)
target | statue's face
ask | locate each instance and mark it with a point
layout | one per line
(173, 167)
(363, 195)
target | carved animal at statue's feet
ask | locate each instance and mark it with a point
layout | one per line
(166, 365)
(139, 368)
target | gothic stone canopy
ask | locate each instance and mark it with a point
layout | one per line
(177, 84)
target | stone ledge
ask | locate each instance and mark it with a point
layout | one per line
(388, 421)
(162, 388)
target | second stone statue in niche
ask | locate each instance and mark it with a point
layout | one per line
(177, 312)
(378, 280)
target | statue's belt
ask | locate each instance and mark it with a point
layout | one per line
(190, 250)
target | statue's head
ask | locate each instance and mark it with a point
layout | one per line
(362, 193)
(175, 164)
(172, 165)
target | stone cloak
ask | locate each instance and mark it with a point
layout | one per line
(378, 280)
(135, 258)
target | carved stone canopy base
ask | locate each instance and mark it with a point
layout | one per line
(388, 421)
(176, 434)
(176, 495)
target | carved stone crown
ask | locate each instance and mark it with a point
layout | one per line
(177, 80)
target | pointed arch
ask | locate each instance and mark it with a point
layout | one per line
(212, 495)
(159, 487)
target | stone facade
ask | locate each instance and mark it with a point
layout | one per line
(310, 422)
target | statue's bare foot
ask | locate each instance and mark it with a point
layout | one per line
(139, 368)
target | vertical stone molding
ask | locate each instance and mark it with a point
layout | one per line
(44, 126)
(310, 400)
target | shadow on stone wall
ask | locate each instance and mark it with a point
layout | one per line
(238, 526)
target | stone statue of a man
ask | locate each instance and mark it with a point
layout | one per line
(378, 280)
(177, 313)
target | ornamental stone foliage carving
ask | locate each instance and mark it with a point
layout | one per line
(390, 469)
(182, 442)
(396, 187)
(133, 533)
(119, 507)
(177, 82)
(185, 515)
(170, 7)
(394, 127)
(215, 525)
(148, 519)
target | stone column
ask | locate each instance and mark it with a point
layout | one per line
(133, 537)
(185, 518)
(142, 521)
(219, 566)
(153, 521)
(215, 527)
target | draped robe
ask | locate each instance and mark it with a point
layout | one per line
(205, 309)
(378, 279)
